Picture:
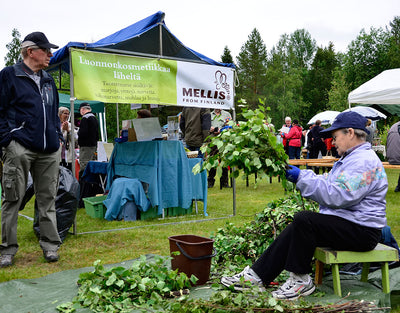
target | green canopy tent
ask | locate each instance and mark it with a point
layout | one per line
(97, 107)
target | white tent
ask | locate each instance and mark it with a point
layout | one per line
(382, 89)
(368, 112)
(325, 117)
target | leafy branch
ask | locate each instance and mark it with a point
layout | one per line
(249, 146)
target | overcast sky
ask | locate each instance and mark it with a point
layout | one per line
(204, 26)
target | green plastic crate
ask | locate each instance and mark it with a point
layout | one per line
(94, 206)
(179, 211)
(152, 212)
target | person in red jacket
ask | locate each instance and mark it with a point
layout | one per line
(294, 138)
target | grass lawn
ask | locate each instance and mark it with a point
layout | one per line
(119, 244)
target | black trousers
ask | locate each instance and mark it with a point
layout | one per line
(316, 148)
(293, 249)
(224, 180)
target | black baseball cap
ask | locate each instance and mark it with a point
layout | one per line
(37, 39)
(84, 105)
(349, 119)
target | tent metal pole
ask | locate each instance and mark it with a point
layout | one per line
(233, 179)
(72, 113)
(101, 126)
(160, 39)
(105, 127)
(116, 108)
(59, 77)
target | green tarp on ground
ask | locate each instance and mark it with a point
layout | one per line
(43, 295)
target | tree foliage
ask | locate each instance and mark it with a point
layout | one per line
(14, 48)
(367, 56)
(226, 57)
(339, 91)
(251, 69)
(286, 72)
(319, 80)
(394, 43)
(302, 48)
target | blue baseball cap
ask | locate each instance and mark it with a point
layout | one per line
(349, 119)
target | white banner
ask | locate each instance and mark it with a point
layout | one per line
(205, 86)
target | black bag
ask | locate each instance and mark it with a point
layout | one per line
(66, 204)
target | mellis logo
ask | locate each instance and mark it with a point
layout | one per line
(221, 91)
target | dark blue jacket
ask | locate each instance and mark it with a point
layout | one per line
(27, 115)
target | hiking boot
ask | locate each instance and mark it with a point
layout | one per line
(246, 279)
(6, 260)
(397, 189)
(294, 287)
(51, 256)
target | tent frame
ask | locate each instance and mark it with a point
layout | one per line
(150, 23)
(72, 106)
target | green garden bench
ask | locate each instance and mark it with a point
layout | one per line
(381, 253)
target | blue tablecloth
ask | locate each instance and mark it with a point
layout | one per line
(165, 167)
(92, 171)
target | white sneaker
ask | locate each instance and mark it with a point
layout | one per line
(294, 288)
(246, 279)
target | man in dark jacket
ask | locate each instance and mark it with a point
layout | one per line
(88, 135)
(195, 125)
(318, 144)
(30, 140)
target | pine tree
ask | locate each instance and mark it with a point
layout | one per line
(251, 64)
(226, 57)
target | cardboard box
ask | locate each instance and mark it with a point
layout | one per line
(132, 134)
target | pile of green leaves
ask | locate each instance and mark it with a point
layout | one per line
(145, 285)
(244, 301)
(249, 146)
(241, 246)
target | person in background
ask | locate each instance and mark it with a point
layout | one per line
(330, 148)
(371, 130)
(308, 140)
(219, 119)
(88, 135)
(67, 151)
(318, 144)
(393, 148)
(294, 138)
(143, 113)
(352, 213)
(285, 142)
(195, 124)
(30, 139)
